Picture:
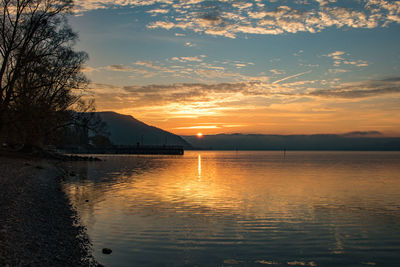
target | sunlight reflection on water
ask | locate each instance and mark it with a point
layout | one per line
(242, 208)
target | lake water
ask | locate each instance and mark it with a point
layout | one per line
(217, 208)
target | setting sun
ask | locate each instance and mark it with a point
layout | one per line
(199, 135)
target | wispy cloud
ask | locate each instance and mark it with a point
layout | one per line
(215, 96)
(277, 72)
(199, 127)
(190, 44)
(212, 96)
(336, 71)
(222, 126)
(259, 105)
(151, 65)
(339, 58)
(291, 77)
(194, 68)
(158, 11)
(120, 67)
(188, 59)
(86, 5)
(362, 89)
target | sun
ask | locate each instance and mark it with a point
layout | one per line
(199, 135)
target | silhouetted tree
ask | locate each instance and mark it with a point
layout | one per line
(40, 74)
(101, 141)
(81, 123)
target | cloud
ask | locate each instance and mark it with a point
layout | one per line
(362, 89)
(87, 69)
(298, 53)
(391, 79)
(338, 58)
(151, 65)
(87, 5)
(190, 44)
(231, 18)
(220, 92)
(156, 95)
(120, 67)
(240, 65)
(337, 55)
(277, 72)
(198, 68)
(212, 95)
(220, 126)
(201, 88)
(301, 102)
(199, 127)
(131, 71)
(291, 77)
(158, 11)
(188, 59)
(257, 92)
(336, 71)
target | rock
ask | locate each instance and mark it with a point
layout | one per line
(107, 251)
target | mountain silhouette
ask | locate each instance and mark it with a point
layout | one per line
(126, 130)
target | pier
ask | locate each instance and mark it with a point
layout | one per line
(136, 150)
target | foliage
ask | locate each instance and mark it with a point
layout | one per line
(40, 73)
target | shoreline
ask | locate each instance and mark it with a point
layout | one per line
(38, 225)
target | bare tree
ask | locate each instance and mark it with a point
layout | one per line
(40, 73)
(80, 123)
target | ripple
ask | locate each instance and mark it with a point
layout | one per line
(244, 209)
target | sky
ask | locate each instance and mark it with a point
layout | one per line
(256, 66)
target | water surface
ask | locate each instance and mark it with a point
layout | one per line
(242, 208)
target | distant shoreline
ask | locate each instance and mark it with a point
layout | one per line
(329, 142)
(297, 150)
(40, 228)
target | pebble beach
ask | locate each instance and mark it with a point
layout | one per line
(38, 226)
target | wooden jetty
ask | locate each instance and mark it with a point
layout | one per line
(137, 150)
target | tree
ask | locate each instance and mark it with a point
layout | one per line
(81, 125)
(40, 73)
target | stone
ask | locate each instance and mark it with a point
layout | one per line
(107, 251)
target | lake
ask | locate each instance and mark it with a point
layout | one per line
(245, 208)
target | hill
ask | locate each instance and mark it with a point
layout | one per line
(126, 130)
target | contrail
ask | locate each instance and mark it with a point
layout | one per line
(293, 76)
